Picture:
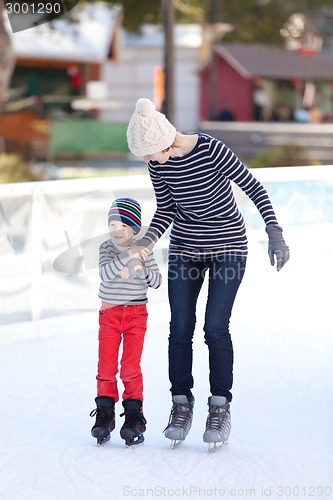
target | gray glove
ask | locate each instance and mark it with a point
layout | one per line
(136, 273)
(145, 242)
(277, 247)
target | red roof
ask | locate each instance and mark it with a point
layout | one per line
(274, 62)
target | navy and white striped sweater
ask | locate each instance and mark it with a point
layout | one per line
(194, 192)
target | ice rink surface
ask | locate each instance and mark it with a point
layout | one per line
(281, 444)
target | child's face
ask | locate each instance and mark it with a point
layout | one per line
(121, 233)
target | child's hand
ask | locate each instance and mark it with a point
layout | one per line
(124, 273)
(135, 269)
(144, 253)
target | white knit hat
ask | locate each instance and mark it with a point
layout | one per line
(149, 131)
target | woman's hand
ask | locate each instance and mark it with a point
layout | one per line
(138, 252)
(277, 249)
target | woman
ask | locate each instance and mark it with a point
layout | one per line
(191, 176)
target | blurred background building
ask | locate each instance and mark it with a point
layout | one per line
(76, 79)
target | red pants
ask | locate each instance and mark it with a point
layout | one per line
(115, 323)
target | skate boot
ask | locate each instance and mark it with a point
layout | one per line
(180, 420)
(105, 419)
(135, 423)
(218, 424)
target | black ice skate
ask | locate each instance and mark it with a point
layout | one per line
(180, 420)
(218, 424)
(105, 419)
(135, 423)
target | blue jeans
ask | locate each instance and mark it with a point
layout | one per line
(185, 279)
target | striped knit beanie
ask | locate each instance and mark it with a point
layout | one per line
(128, 211)
(149, 131)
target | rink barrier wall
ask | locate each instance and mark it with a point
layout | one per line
(40, 220)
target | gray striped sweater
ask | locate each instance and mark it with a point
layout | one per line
(119, 291)
(194, 192)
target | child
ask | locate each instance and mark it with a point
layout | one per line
(122, 316)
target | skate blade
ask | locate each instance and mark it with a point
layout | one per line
(214, 447)
(135, 440)
(175, 443)
(102, 441)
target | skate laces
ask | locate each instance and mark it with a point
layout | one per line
(103, 415)
(180, 415)
(217, 418)
(132, 417)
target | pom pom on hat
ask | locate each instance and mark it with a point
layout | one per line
(145, 106)
(128, 211)
(149, 131)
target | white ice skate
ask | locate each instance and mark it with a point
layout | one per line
(218, 424)
(180, 420)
